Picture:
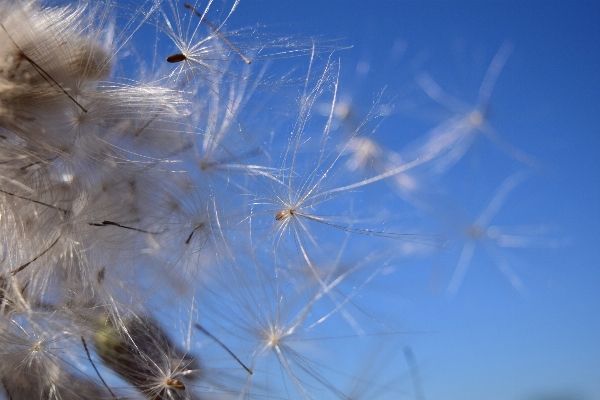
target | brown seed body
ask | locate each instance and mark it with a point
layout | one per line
(175, 58)
(283, 214)
(175, 384)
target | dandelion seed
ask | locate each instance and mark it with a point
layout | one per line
(214, 28)
(197, 53)
(481, 232)
(142, 353)
(302, 194)
(454, 137)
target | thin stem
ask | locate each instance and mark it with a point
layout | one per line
(94, 366)
(210, 335)
(110, 223)
(22, 267)
(47, 77)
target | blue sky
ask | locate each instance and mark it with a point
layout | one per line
(488, 341)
